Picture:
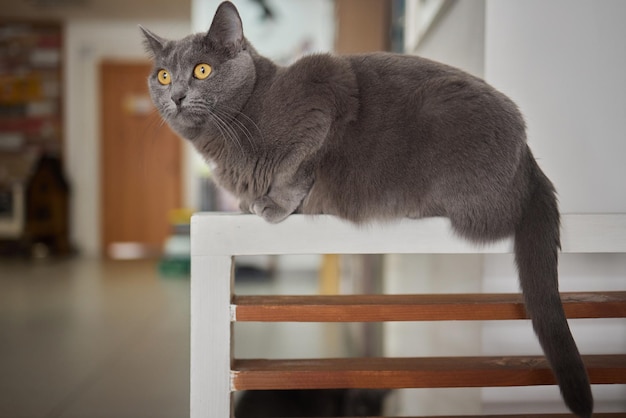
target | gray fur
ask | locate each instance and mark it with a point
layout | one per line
(373, 137)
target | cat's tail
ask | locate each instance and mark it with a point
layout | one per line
(536, 253)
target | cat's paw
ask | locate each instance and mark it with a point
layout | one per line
(266, 208)
(245, 207)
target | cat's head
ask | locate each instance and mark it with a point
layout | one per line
(202, 79)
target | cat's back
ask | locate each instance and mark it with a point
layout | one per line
(433, 103)
(377, 73)
(421, 83)
(390, 67)
(381, 81)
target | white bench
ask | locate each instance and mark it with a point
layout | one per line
(217, 238)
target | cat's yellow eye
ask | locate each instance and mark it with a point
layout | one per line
(164, 77)
(202, 71)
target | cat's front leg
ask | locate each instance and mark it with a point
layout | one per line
(265, 207)
(292, 180)
(245, 206)
(286, 194)
(269, 210)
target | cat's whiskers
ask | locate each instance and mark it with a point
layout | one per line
(249, 119)
(227, 131)
(235, 123)
(222, 120)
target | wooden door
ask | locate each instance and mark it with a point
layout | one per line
(362, 26)
(140, 164)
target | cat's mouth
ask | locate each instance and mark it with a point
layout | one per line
(184, 121)
(194, 110)
(189, 116)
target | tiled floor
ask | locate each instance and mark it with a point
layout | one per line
(83, 338)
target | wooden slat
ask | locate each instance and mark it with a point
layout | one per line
(396, 373)
(366, 308)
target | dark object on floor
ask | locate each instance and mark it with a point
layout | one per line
(251, 273)
(311, 403)
(34, 196)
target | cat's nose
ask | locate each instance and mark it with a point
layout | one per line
(178, 98)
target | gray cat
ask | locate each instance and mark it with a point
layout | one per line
(371, 137)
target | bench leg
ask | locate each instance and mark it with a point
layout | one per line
(211, 344)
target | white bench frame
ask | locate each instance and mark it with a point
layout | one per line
(216, 238)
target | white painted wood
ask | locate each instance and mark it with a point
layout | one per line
(237, 234)
(211, 284)
(593, 233)
(217, 237)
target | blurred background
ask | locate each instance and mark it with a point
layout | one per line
(96, 195)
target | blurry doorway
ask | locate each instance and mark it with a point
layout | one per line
(140, 162)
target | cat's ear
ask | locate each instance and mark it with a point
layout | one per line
(226, 32)
(154, 44)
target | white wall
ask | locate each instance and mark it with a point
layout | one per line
(458, 38)
(87, 43)
(563, 62)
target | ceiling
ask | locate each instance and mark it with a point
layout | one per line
(96, 9)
